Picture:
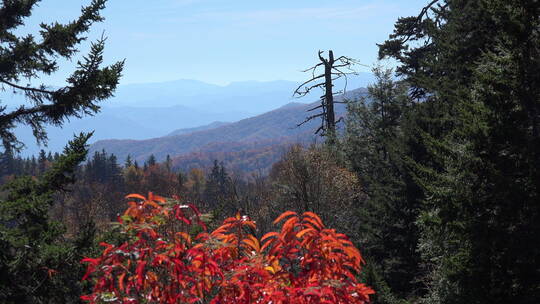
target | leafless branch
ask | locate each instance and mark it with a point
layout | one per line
(312, 68)
(315, 108)
(333, 69)
(310, 118)
(305, 91)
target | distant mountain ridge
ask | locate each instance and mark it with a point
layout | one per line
(209, 126)
(277, 127)
(151, 110)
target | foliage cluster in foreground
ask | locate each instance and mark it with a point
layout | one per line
(165, 260)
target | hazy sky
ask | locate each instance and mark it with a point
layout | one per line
(220, 41)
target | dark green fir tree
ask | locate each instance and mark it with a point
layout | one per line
(474, 71)
(374, 145)
(37, 265)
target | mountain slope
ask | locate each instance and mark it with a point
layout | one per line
(277, 126)
(150, 110)
(213, 125)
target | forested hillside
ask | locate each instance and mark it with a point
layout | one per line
(421, 188)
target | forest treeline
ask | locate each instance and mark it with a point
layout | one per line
(435, 177)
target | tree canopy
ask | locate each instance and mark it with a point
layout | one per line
(474, 74)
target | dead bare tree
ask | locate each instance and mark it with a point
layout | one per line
(334, 68)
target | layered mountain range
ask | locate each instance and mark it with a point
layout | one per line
(250, 140)
(182, 117)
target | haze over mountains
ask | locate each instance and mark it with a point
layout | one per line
(151, 110)
(257, 138)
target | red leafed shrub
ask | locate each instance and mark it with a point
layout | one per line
(304, 262)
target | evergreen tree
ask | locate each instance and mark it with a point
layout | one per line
(128, 162)
(168, 163)
(217, 189)
(181, 179)
(375, 149)
(474, 69)
(151, 161)
(36, 264)
(42, 161)
(7, 163)
(33, 166)
(24, 57)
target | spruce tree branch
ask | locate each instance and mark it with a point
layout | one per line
(419, 18)
(425, 9)
(27, 89)
(8, 20)
(22, 112)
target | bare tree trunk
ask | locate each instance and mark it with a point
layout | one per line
(334, 68)
(329, 95)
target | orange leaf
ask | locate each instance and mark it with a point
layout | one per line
(270, 268)
(284, 215)
(310, 216)
(289, 225)
(250, 224)
(269, 235)
(159, 199)
(133, 195)
(267, 244)
(121, 281)
(301, 233)
(152, 203)
(312, 223)
(185, 236)
(252, 242)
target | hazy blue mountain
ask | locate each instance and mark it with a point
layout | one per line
(252, 97)
(104, 126)
(277, 126)
(161, 94)
(125, 122)
(165, 119)
(150, 110)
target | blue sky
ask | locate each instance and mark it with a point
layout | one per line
(220, 41)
